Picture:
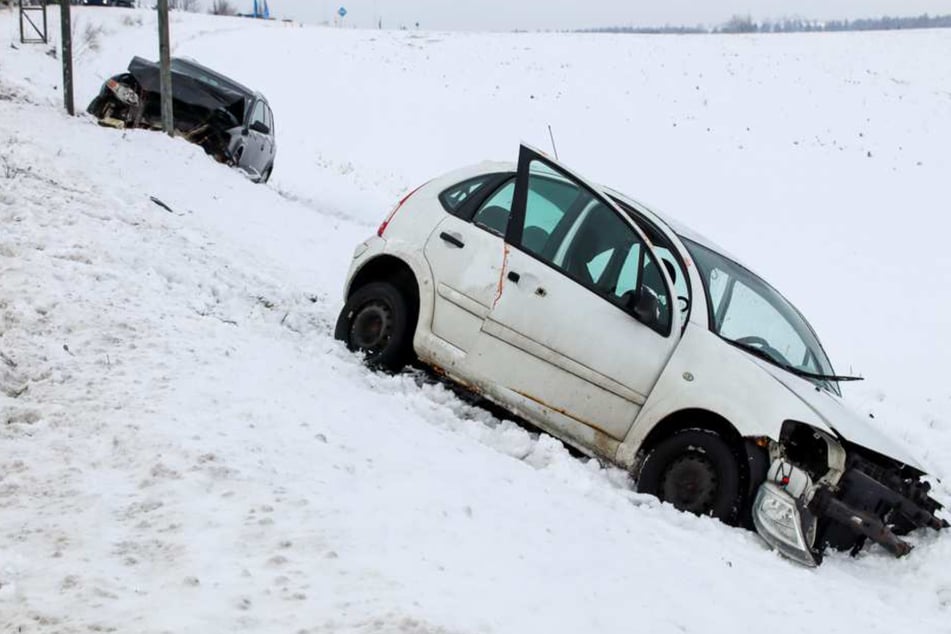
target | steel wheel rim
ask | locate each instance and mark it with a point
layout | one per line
(372, 327)
(690, 483)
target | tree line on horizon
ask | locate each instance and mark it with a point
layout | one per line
(745, 24)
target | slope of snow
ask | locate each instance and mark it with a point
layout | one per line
(185, 448)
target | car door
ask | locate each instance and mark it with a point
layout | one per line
(583, 323)
(254, 147)
(466, 252)
(270, 145)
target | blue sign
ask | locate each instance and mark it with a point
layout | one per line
(261, 9)
(342, 12)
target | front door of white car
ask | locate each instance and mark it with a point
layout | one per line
(585, 321)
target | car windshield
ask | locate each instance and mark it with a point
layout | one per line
(750, 313)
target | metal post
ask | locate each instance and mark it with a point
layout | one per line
(165, 65)
(30, 33)
(67, 38)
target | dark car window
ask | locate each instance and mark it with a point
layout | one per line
(455, 198)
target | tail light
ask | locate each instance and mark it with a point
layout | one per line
(386, 222)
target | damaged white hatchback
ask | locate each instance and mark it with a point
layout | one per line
(635, 340)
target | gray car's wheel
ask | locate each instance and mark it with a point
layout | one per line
(266, 175)
(696, 471)
(376, 321)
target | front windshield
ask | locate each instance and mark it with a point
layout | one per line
(749, 312)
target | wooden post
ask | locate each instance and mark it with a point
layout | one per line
(67, 38)
(165, 65)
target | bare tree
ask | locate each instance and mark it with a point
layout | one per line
(184, 5)
(223, 7)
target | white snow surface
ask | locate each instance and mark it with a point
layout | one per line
(184, 448)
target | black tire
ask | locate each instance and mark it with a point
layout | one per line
(266, 176)
(696, 471)
(376, 321)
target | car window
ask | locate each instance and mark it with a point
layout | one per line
(454, 198)
(663, 248)
(750, 312)
(630, 271)
(568, 227)
(493, 214)
(717, 287)
(257, 115)
(269, 118)
(551, 199)
(677, 274)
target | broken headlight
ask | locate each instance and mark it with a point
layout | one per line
(778, 521)
(123, 92)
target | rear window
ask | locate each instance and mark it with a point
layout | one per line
(455, 197)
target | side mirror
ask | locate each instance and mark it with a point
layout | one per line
(644, 305)
(260, 126)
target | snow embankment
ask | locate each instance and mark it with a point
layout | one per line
(185, 448)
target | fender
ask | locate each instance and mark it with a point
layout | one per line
(424, 279)
(375, 247)
(708, 374)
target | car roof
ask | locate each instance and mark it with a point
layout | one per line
(194, 69)
(676, 227)
(682, 230)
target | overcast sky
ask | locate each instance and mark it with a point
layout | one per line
(569, 14)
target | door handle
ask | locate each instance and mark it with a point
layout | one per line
(515, 277)
(453, 239)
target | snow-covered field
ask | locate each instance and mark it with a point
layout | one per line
(184, 448)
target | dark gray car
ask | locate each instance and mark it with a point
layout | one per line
(231, 122)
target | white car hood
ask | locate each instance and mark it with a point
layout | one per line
(841, 418)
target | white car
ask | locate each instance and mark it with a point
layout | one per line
(634, 340)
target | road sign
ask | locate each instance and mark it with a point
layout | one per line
(342, 12)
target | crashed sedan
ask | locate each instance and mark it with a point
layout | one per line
(636, 341)
(232, 123)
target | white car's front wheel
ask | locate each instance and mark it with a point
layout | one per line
(696, 471)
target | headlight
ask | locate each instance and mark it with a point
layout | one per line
(778, 521)
(782, 518)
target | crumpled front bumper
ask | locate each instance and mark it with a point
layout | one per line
(799, 518)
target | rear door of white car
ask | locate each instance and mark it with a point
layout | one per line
(466, 255)
(563, 330)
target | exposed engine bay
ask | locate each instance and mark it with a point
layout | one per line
(820, 492)
(207, 107)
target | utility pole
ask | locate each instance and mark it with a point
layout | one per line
(165, 68)
(67, 37)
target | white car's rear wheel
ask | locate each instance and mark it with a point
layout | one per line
(375, 321)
